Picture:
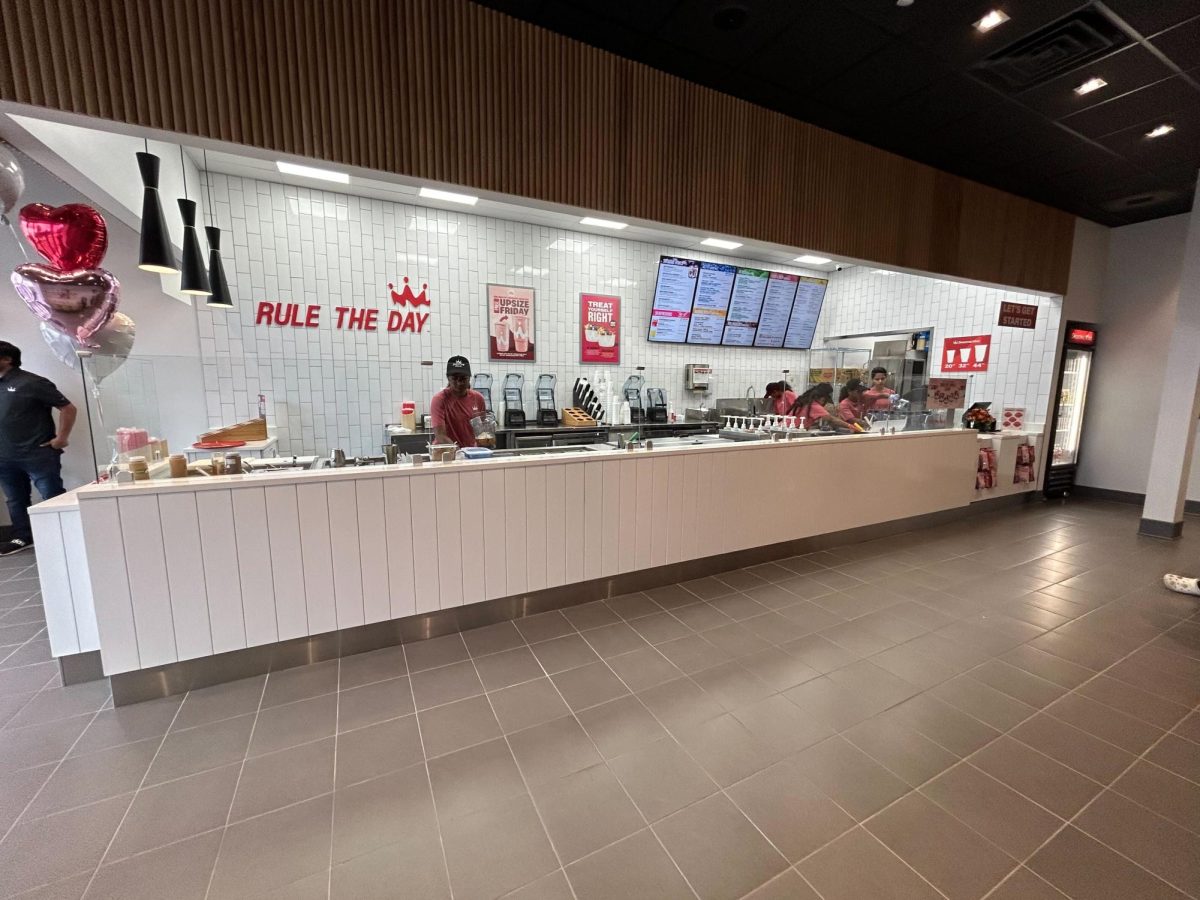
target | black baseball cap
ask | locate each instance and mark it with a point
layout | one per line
(458, 365)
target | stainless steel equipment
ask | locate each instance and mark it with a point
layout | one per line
(908, 369)
(697, 376)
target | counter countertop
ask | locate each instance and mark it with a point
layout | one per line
(593, 452)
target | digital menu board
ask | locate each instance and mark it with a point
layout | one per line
(712, 303)
(711, 306)
(810, 296)
(742, 322)
(673, 293)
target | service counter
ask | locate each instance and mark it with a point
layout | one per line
(155, 574)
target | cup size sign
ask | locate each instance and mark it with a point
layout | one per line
(1018, 315)
(600, 323)
(967, 354)
(510, 323)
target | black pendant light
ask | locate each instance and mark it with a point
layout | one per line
(155, 253)
(220, 296)
(194, 274)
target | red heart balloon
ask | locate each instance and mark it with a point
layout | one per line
(71, 237)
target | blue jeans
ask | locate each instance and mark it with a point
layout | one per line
(41, 469)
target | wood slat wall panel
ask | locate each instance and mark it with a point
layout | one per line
(450, 91)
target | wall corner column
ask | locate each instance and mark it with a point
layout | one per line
(1175, 434)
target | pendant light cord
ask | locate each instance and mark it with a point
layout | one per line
(208, 184)
(183, 171)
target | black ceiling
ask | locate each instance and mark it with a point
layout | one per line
(920, 81)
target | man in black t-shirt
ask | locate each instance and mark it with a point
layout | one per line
(30, 446)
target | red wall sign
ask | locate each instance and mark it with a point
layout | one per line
(351, 318)
(1018, 315)
(1084, 337)
(600, 329)
(966, 354)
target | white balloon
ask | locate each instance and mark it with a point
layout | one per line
(114, 343)
(12, 181)
(60, 345)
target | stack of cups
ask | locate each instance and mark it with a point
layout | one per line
(139, 468)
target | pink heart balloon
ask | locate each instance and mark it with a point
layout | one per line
(78, 303)
(71, 237)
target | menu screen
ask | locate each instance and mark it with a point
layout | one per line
(715, 303)
(776, 310)
(673, 299)
(711, 306)
(810, 296)
(744, 308)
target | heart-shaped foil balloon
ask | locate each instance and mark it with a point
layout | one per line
(70, 237)
(112, 345)
(77, 303)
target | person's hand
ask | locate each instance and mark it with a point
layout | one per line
(58, 443)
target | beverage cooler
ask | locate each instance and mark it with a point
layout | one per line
(1067, 424)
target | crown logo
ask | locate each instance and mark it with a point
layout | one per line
(406, 295)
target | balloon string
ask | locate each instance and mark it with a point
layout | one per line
(16, 237)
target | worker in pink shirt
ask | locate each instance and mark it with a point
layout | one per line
(879, 395)
(781, 395)
(815, 406)
(852, 406)
(453, 408)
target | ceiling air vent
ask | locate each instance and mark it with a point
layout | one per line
(1061, 46)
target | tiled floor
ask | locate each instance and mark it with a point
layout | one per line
(1004, 709)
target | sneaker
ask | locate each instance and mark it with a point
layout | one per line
(1181, 585)
(16, 545)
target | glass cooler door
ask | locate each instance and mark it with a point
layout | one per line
(1076, 368)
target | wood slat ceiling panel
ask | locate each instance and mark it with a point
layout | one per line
(453, 92)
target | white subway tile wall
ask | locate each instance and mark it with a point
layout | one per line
(1021, 369)
(330, 388)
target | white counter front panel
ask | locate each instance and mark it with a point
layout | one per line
(236, 563)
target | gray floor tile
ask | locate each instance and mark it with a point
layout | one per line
(374, 702)
(274, 850)
(185, 867)
(637, 866)
(283, 778)
(585, 811)
(378, 749)
(496, 850)
(176, 810)
(384, 811)
(856, 866)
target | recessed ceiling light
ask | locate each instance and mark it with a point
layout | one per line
(1160, 131)
(990, 21)
(809, 260)
(881, 272)
(603, 223)
(1092, 84)
(288, 168)
(448, 196)
(904, 2)
(718, 242)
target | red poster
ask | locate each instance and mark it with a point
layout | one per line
(600, 329)
(1018, 315)
(967, 354)
(510, 322)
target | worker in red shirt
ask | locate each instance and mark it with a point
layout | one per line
(453, 407)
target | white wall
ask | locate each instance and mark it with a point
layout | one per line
(1089, 265)
(166, 333)
(330, 388)
(1020, 373)
(1137, 312)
